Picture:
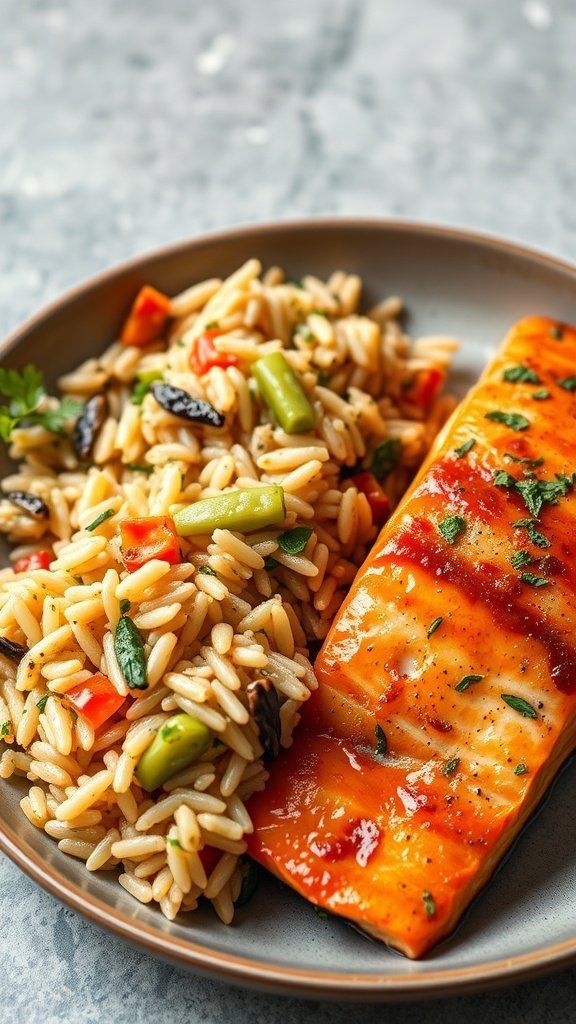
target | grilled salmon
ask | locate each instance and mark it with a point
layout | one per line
(447, 696)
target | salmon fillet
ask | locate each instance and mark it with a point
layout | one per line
(447, 696)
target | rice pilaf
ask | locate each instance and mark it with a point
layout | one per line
(108, 652)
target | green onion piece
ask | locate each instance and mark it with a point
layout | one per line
(178, 743)
(100, 519)
(252, 508)
(283, 393)
(129, 651)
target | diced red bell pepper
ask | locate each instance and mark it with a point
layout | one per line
(149, 537)
(35, 560)
(96, 699)
(376, 496)
(424, 388)
(205, 355)
(209, 857)
(146, 318)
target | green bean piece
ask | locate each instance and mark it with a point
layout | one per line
(283, 393)
(252, 508)
(177, 744)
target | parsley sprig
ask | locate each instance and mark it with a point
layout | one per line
(26, 390)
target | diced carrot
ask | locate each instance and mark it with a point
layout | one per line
(149, 537)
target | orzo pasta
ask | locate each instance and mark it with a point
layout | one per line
(186, 521)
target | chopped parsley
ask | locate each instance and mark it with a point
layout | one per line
(385, 457)
(323, 378)
(434, 625)
(537, 493)
(381, 741)
(530, 463)
(44, 700)
(100, 519)
(520, 769)
(303, 333)
(271, 563)
(294, 541)
(175, 842)
(568, 383)
(520, 558)
(557, 332)
(465, 448)
(207, 570)
(534, 534)
(451, 766)
(125, 606)
(504, 479)
(142, 387)
(249, 884)
(429, 903)
(540, 395)
(26, 389)
(467, 681)
(514, 420)
(520, 705)
(137, 468)
(5, 729)
(532, 580)
(451, 528)
(521, 374)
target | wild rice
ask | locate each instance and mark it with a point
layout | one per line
(237, 606)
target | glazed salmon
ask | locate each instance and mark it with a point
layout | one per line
(447, 697)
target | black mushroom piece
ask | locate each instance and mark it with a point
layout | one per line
(88, 424)
(264, 706)
(10, 649)
(29, 503)
(181, 404)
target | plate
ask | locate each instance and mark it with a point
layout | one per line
(453, 282)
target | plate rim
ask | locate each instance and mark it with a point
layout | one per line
(381, 986)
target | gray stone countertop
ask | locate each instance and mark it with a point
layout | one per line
(127, 125)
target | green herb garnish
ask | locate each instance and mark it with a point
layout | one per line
(521, 374)
(568, 383)
(129, 650)
(537, 493)
(504, 479)
(451, 528)
(323, 378)
(321, 913)
(534, 534)
(26, 390)
(249, 884)
(451, 766)
(539, 396)
(43, 701)
(207, 570)
(514, 420)
(532, 580)
(137, 468)
(294, 541)
(467, 681)
(125, 606)
(100, 519)
(557, 332)
(465, 448)
(271, 563)
(385, 457)
(429, 903)
(520, 558)
(520, 705)
(381, 741)
(5, 729)
(303, 333)
(434, 625)
(520, 769)
(175, 842)
(530, 463)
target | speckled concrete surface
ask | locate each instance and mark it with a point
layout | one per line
(124, 126)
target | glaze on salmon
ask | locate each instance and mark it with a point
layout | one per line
(447, 697)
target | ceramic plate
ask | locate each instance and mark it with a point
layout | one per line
(453, 282)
